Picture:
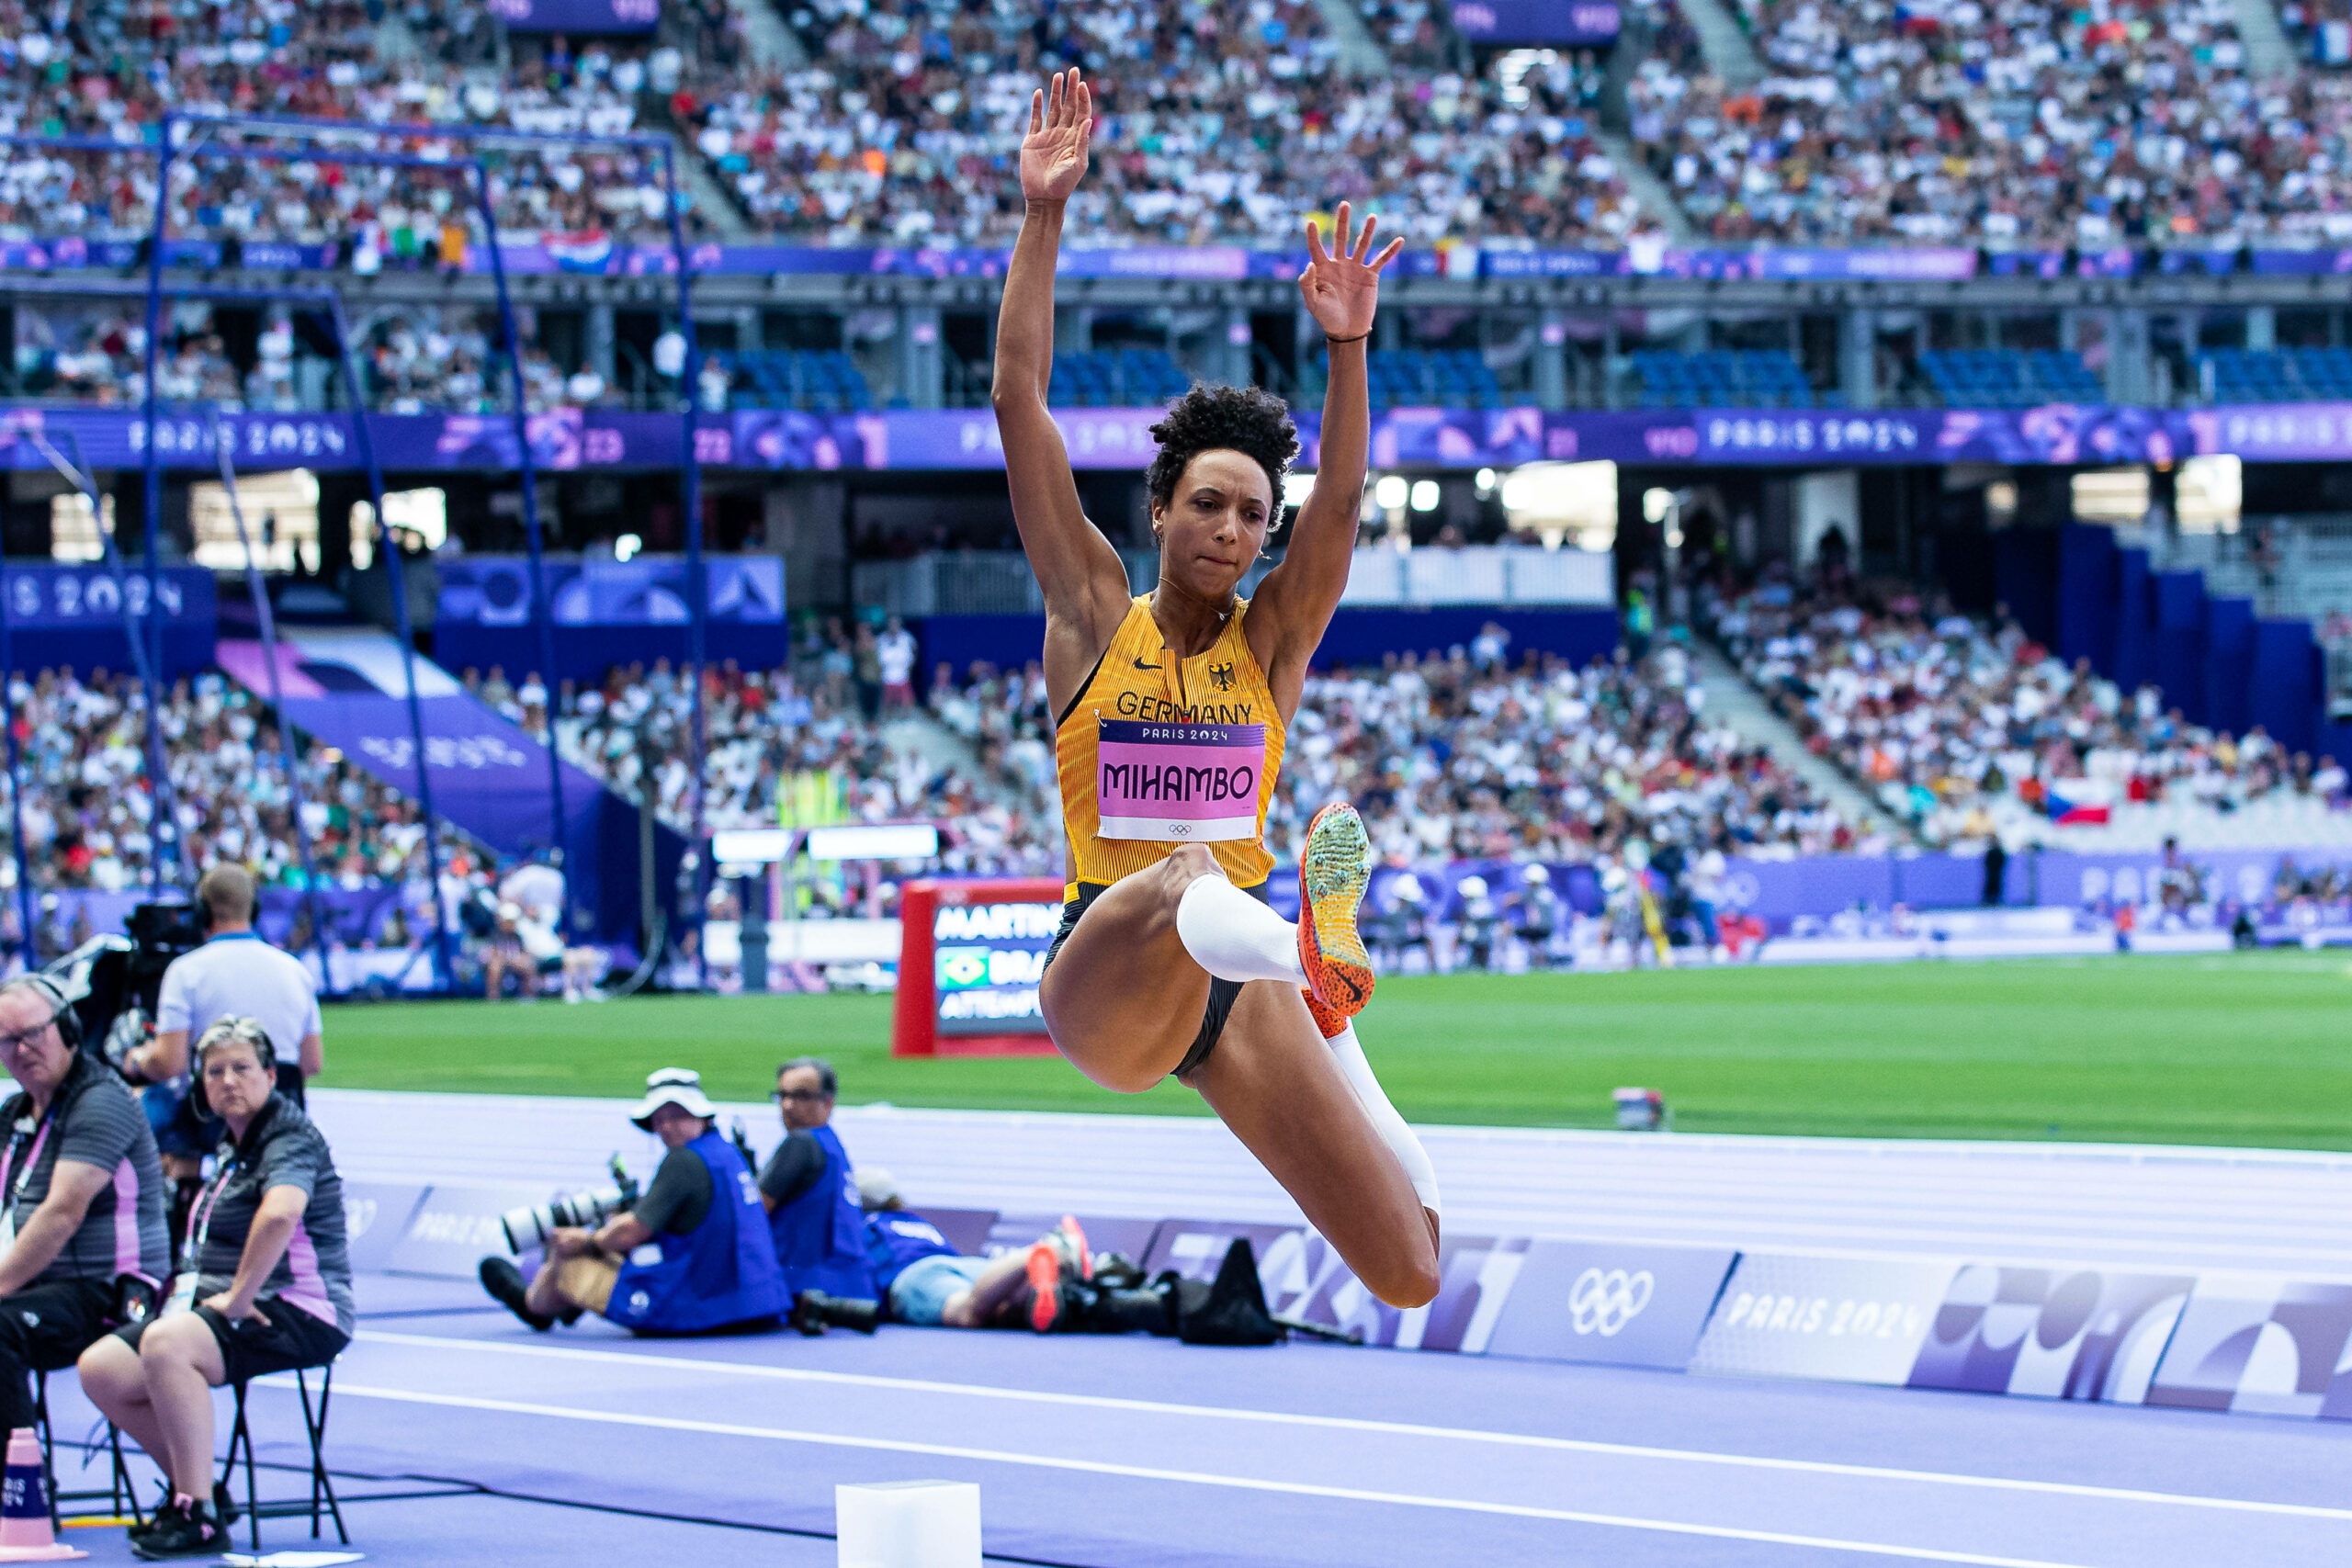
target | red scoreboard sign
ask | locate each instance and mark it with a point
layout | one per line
(970, 955)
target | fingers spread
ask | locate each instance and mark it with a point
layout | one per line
(1315, 244)
(1364, 245)
(1037, 111)
(1388, 253)
(1340, 233)
(1054, 101)
(1085, 100)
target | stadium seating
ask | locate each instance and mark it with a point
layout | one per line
(1722, 378)
(2276, 375)
(1119, 378)
(814, 381)
(2008, 379)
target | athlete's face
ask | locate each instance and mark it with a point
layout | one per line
(1216, 524)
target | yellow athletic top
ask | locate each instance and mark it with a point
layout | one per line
(1157, 751)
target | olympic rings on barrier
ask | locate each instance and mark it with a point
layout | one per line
(1604, 1302)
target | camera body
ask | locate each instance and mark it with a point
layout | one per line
(114, 984)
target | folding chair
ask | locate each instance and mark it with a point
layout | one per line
(314, 1423)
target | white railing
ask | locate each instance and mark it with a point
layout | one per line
(1000, 581)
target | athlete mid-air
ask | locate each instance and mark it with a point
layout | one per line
(1172, 711)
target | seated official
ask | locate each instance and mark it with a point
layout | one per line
(924, 1283)
(810, 1191)
(83, 1242)
(264, 1286)
(692, 1256)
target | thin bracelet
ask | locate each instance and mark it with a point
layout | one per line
(1328, 338)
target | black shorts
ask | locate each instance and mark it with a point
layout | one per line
(293, 1338)
(1221, 992)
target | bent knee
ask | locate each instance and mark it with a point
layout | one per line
(1121, 1079)
(1406, 1283)
(1187, 866)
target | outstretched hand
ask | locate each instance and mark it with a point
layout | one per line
(1061, 124)
(1341, 287)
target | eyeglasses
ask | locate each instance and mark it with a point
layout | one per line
(782, 1095)
(26, 1038)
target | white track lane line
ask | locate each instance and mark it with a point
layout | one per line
(1350, 1424)
(1187, 1477)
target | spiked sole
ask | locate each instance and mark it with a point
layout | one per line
(1332, 875)
(1045, 1286)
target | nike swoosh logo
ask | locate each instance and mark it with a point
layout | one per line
(1141, 664)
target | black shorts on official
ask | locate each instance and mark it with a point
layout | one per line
(1222, 993)
(292, 1339)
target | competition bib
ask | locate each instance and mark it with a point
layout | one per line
(1179, 784)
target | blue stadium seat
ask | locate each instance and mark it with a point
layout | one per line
(812, 380)
(1722, 377)
(1115, 377)
(2009, 377)
(2278, 375)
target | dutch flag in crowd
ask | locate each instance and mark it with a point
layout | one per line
(2080, 803)
(590, 252)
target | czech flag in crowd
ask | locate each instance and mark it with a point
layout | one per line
(2079, 803)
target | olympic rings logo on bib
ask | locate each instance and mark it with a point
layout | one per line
(1179, 783)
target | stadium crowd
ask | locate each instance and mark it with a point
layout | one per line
(2022, 123)
(1972, 731)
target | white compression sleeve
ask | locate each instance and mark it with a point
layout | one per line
(1348, 1051)
(1234, 937)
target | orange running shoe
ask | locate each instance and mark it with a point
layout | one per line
(1044, 1285)
(1074, 1246)
(1332, 872)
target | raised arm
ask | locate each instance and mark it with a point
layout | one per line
(1341, 289)
(1082, 579)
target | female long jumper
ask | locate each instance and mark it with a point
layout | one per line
(1171, 709)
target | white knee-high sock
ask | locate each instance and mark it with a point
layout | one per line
(1348, 1051)
(1234, 937)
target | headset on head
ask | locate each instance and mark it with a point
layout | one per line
(61, 1010)
(244, 1027)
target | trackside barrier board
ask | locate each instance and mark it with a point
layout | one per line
(2261, 1345)
(2058, 1333)
(1836, 1319)
(1627, 1304)
(376, 1216)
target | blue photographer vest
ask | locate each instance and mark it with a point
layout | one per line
(820, 1236)
(897, 1242)
(723, 1271)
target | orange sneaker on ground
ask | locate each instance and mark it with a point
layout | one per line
(1074, 1246)
(1044, 1285)
(1332, 872)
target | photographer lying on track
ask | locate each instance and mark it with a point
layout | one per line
(692, 1256)
(82, 1245)
(810, 1192)
(264, 1286)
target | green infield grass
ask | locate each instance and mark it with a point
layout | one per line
(2236, 1049)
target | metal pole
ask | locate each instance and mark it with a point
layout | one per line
(163, 816)
(542, 611)
(221, 442)
(153, 464)
(398, 579)
(26, 903)
(690, 497)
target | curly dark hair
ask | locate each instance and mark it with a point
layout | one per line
(1247, 420)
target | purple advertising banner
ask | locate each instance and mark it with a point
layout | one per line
(2260, 1344)
(578, 16)
(2050, 1333)
(1622, 1303)
(1575, 23)
(921, 439)
(1786, 1314)
(488, 778)
(650, 591)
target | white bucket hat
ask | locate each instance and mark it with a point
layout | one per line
(680, 1087)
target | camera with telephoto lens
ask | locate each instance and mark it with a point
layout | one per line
(527, 1228)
